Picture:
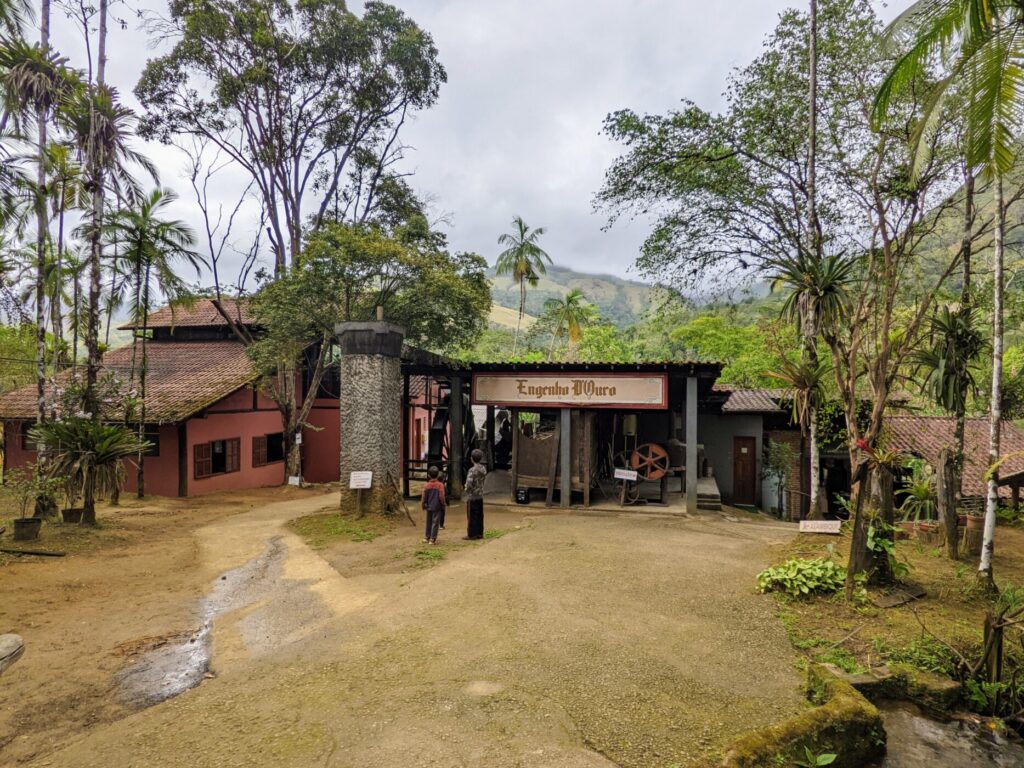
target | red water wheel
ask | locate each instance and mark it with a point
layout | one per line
(650, 461)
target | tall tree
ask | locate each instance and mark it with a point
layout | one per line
(149, 247)
(570, 315)
(729, 194)
(523, 260)
(307, 98)
(980, 46)
(66, 193)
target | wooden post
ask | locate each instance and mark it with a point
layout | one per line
(405, 435)
(1015, 497)
(457, 434)
(691, 444)
(514, 417)
(565, 450)
(549, 497)
(490, 438)
(946, 493)
(587, 453)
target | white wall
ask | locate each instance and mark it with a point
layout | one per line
(716, 433)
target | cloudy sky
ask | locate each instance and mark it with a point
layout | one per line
(517, 128)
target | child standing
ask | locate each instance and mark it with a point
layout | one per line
(474, 490)
(433, 503)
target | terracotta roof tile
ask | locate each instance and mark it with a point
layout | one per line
(926, 436)
(750, 400)
(184, 378)
(202, 313)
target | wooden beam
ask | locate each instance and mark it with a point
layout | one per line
(457, 434)
(549, 497)
(691, 444)
(514, 417)
(565, 451)
(406, 405)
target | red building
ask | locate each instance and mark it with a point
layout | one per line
(211, 427)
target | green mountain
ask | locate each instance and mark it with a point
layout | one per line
(619, 301)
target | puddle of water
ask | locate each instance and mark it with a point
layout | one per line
(182, 663)
(916, 740)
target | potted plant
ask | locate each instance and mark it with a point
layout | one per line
(23, 488)
(88, 457)
(919, 503)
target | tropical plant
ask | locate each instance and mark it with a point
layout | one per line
(800, 577)
(570, 315)
(812, 759)
(817, 300)
(979, 45)
(24, 487)
(919, 501)
(88, 454)
(148, 249)
(13, 14)
(523, 260)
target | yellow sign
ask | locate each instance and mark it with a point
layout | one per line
(576, 390)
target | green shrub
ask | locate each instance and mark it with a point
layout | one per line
(927, 654)
(799, 577)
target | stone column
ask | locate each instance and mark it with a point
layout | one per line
(371, 408)
(691, 444)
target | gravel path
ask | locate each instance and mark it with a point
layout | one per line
(575, 641)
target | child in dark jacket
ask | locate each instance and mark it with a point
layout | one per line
(433, 503)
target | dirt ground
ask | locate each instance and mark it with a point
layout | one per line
(563, 640)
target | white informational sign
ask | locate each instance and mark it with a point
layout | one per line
(821, 526)
(294, 480)
(358, 480)
(625, 474)
(298, 438)
(572, 390)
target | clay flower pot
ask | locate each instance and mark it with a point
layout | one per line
(928, 531)
(975, 523)
(961, 520)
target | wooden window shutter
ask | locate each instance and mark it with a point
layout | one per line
(233, 452)
(202, 458)
(259, 451)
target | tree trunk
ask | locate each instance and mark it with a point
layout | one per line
(92, 340)
(60, 358)
(522, 309)
(995, 407)
(76, 298)
(812, 128)
(861, 559)
(141, 473)
(882, 501)
(814, 513)
(44, 505)
(89, 496)
(946, 487)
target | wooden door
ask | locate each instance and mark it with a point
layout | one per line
(744, 470)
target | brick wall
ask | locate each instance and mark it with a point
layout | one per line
(794, 498)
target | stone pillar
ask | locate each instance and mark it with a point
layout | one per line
(371, 408)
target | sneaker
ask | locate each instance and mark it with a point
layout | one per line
(433, 542)
(442, 527)
(426, 541)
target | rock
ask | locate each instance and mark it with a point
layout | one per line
(11, 648)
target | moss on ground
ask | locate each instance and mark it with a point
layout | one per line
(324, 528)
(843, 723)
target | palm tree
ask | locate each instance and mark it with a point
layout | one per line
(67, 192)
(817, 302)
(13, 14)
(523, 259)
(570, 315)
(148, 246)
(101, 129)
(979, 45)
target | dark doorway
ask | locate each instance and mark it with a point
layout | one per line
(744, 470)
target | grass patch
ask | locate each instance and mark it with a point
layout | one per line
(325, 528)
(57, 536)
(429, 555)
(860, 635)
(496, 533)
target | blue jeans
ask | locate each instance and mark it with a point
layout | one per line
(433, 521)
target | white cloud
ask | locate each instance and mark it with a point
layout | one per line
(517, 127)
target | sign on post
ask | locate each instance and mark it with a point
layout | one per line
(360, 480)
(572, 390)
(821, 526)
